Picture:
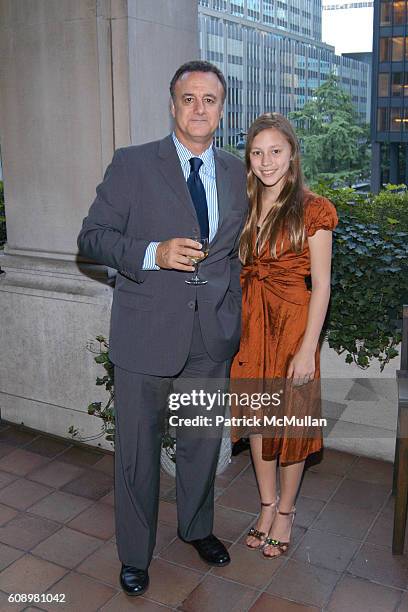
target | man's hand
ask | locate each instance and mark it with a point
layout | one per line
(176, 254)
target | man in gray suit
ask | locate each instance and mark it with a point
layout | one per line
(153, 199)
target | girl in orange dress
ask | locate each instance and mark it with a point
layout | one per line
(286, 239)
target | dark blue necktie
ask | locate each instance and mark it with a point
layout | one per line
(197, 192)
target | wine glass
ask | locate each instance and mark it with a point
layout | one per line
(195, 279)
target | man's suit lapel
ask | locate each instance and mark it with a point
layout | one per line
(223, 180)
(169, 166)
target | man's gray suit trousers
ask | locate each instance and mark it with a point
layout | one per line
(140, 403)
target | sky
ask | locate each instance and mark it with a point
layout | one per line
(349, 28)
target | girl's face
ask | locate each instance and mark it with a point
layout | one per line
(270, 157)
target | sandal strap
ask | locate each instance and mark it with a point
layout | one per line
(259, 535)
(281, 546)
(274, 503)
(293, 512)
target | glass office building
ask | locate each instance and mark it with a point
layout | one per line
(272, 56)
(389, 131)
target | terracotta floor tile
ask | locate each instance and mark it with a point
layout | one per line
(168, 513)
(6, 514)
(378, 564)
(241, 496)
(403, 604)
(325, 549)
(36, 575)
(47, 447)
(306, 510)
(103, 565)
(345, 520)
(17, 437)
(248, 475)
(21, 462)
(6, 478)
(372, 470)
(109, 498)
(67, 547)
(248, 567)
(23, 493)
(237, 465)
(362, 494)
(333, 462)
(97, 520)
(8, 554)
(124, 603)
(304, 583)
(171, 584)
(81, 457)
(270, 603)
(106, 464)
(357, 594)
(6, 606)
(184, 554)
(165, 534)
(382, 530)
(319, 486)
(216, 595)
(91, 484)
(82, 593)
(230, 523)
(5, 449)
(60, 506)
(56, 474)
(26, 530)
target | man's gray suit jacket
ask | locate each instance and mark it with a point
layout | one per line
(144, 198)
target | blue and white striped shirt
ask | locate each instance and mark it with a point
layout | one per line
(207, 175)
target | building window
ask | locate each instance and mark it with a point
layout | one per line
(383, 84)
(398, 12)
(385, 18)
(397, 84)
(382, 120)
(385, 49)
(399, 119)
(397, 49)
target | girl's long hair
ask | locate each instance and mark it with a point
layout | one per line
(287, 213)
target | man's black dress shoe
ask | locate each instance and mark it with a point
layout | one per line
(133, 581)
(211, 550)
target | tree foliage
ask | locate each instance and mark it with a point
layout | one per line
(333, 142)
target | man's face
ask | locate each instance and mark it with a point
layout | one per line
(197, 108)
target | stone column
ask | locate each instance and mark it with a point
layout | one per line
(394, 163)
(375, 167)
(78, 78)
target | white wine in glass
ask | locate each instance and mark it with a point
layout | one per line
(195, 279)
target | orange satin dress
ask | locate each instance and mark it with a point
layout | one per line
(275, 304)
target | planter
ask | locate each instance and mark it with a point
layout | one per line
(224, 459)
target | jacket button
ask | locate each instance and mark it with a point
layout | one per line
(191, 304)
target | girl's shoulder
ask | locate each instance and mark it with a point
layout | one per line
(319, 213)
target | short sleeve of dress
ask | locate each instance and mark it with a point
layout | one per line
(320, 213)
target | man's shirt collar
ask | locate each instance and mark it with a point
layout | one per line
(185, 155)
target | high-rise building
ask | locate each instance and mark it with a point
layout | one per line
(389, 124)
(272, 56)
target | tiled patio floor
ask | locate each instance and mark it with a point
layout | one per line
(57, 536)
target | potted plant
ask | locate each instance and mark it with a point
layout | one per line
(106, 412)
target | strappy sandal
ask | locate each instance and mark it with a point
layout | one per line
(260, 535)
(281, 546)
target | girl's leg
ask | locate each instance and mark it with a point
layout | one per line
(290, 477)
(266, 476)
